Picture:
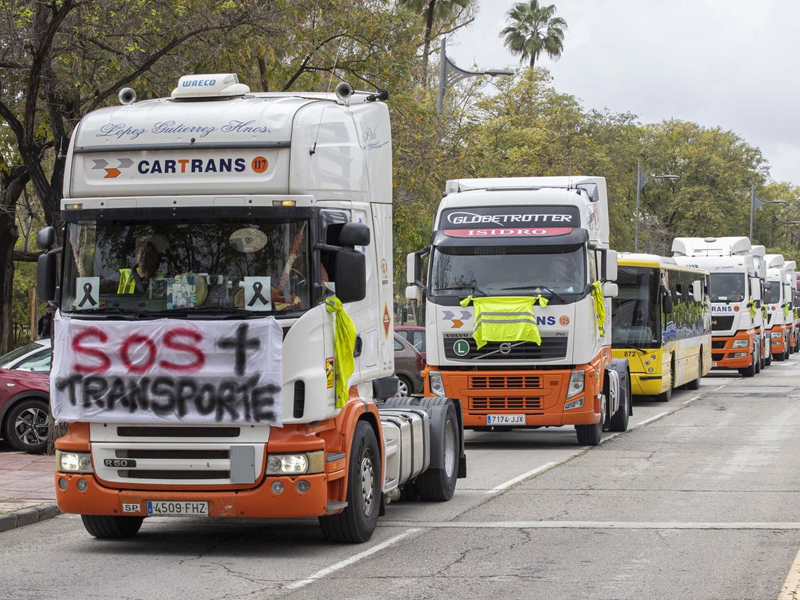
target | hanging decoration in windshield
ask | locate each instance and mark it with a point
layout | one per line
(510, 221)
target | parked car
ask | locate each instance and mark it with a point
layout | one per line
(408, 365)
(25, 395)
(413, 335)
(33, 357)
(24, 410)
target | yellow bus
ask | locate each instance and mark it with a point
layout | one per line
(661, 322)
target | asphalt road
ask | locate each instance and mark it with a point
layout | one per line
(699, 499)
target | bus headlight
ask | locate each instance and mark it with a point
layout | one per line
(577, 381)
(436, 384)
(739, 344)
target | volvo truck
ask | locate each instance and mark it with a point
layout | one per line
(518, 285)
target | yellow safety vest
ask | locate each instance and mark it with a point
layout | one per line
(599, 306)
(344, 342)
(505, 319)
(127, 283)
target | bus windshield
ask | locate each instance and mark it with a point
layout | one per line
(169, 267)
(508, 270)
(727, 287)
(635, 310)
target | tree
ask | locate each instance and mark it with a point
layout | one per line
(449, 12)
(534, 30)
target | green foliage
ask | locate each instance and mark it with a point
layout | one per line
(534, 29)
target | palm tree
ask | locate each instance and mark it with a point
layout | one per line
(434, 10)
(534, 30)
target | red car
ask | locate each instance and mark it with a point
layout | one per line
(24, 410)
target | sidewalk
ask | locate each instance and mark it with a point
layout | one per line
(27, 492)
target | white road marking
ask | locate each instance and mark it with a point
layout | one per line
(651, 419)
(788, 526)
(504, 486)
(718, 388)
(791, 587)
(349, 561)
(690, 400)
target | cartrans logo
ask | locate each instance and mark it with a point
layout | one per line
(112, 172)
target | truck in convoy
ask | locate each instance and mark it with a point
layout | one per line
(735, 298)
(758, 253)
(662, 324)
(223, 326)
(796, 304)
(790, 275)
(518, 284)
(778, 300)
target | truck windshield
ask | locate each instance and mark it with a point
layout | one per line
(635, 310)
(172, 267)
(773, 293)
(727, 287)
(508, 270)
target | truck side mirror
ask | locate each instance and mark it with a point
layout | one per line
(46, 277)
(697, 290)
(354, 234)
(414, 268)
(610, 290)
(666, 302)
(46, 238)
(351, 275)
(611, 270)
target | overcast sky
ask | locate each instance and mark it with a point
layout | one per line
(726, 63)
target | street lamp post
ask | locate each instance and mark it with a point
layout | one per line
(450, 74)
(756, 203)
(641, 181)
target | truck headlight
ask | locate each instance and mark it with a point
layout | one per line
(296, 464)
(739, 344)
(74, 462)
(577, 381)
(776, 335)
(436, 384)
(574, 404)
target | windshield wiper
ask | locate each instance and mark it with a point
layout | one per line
(536, 287)
(115, 311)
(474, 289)
(221, 311)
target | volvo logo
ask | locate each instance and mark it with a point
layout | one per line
(505, 348)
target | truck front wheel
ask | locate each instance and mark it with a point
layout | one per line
(356, 523)
(112, 528)
(439, 485)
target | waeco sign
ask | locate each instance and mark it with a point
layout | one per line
(510, 221)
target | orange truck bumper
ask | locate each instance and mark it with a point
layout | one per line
(725, 356)
(259, 502)
(538, 394)
(779, 343)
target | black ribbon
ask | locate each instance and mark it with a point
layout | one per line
(87, 295)
(257, 287)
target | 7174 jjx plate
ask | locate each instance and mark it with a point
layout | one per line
(166, 508)
(505, 419)
(713, 364)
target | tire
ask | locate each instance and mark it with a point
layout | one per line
(786, 345)
(619, 422)
(589, 435)
(356, 523)
(112, 528)
(27, 425)
(751, 370)
(759, 360)
(404, 387)
(695, 385)
(439, 485)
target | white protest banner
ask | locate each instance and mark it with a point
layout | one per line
(167, 371)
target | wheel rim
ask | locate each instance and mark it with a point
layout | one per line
(367, 485)
(402, 388)
(31, 426)
(450, 449)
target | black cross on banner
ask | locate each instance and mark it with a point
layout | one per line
(87, 295)
(240, 344)
(257, 287)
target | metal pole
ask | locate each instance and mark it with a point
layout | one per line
(752, 208)
(638, 196)
(442, 73)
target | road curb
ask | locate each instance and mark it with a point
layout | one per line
(28, 516)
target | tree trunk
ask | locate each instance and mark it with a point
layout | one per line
(427, 47)
(12, 186)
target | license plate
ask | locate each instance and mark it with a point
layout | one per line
(713, 364)
(172, 509)
(505, 419)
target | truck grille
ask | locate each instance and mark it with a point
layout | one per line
(717, 357)
(718, 344)
(504, 382)
(506, 403)
(551, 348)
(721, 323)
